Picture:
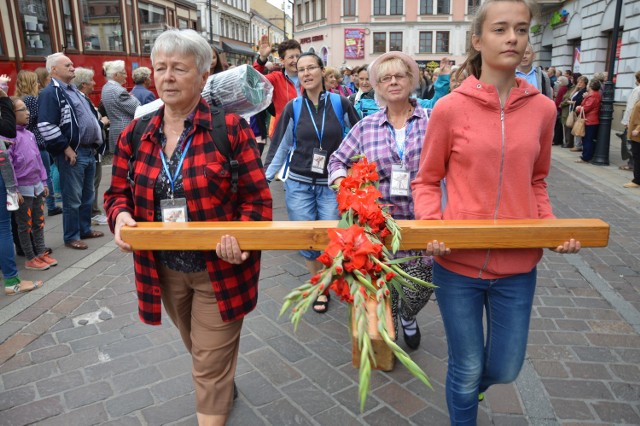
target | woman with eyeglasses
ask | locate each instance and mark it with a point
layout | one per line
(119, 104)
(309, 131)
(392, 138)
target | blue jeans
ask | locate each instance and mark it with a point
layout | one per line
(7, 255)
(310, 202)
(46, 160)
(76, 185)
(476, 360)
(588, 142)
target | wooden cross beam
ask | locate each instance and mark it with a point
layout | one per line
(312, 235)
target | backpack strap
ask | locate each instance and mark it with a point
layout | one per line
(220, 137)
(336, 103)
(136, 135)
(297, 107)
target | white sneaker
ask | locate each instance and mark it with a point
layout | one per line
(99, 219)
(12, 201)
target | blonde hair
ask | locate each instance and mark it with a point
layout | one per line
(395, 64)
(43, 75)
(27, 83)
(473, 63)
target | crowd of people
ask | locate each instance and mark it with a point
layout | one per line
(401, 117)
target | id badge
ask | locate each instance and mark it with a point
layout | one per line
(399, 181)
(319, 160)
(174, 210)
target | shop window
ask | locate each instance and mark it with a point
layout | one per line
(442, 41)
(395, 41)
(67, 19)
(426, 42)
(153, 21)
(379, 42)
(34, 16)
(102, 26)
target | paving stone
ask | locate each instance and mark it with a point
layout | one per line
(350, 400)
(89, 415)
(47, 354)
(431, 416)
(59, 383)
(262, 327)
(275, 369)
(42, 341)
(177, 366)
(629, 373)
(256, 389)
(504, 399)
(384, 416)
(577, 389)
(614, 340)
(78, 360)
(29, 375)
(571, 409)
(156, 354)
(10, 328)
(337, 416)
(30, 314)
(330, 351)
(593, 354)
(99, 340)
(626, 392)
(288, 348)
(553, 369)
(573, 325)
(33, 412)
(567, 338)
(550, 352)
(323, 375)
(311, 399)
(109, 368)
(282, 412)
(76, 333)
(18, 396)
(170, 411)
(403, 401)
(18, 361)
(129, 402)
(614, 412)
(14, 344)
(549, 312)
(126, 346)
(594, 371)
(135, 379)
(242, 414)
(85, 395)
(508, 420)
(172, 388)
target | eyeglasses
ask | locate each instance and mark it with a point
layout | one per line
(21, 109)
(310, 68)
(388, 78)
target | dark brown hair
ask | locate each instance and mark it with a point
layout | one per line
(288, 45)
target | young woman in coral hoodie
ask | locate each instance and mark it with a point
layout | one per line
(491, 139)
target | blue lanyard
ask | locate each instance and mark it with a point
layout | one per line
(174, 178)
(406, 136)
(320, 134)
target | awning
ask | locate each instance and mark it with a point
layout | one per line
(237, 48)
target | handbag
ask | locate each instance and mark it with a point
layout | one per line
(571, 119)
(578, 128)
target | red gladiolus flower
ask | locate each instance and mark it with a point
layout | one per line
(389, 276)
(355, 247)
(341, 288)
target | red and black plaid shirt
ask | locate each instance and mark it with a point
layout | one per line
(207, 185)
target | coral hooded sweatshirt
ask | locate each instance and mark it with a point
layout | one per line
(495, 160)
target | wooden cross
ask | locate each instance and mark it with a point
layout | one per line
(312, 235)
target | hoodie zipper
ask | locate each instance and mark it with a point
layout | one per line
(500, 177)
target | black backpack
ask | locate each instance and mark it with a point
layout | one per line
(219, 134)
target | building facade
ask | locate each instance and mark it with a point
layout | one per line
(355, 32)
(577, 35)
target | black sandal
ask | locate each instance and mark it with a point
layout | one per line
(322, 306)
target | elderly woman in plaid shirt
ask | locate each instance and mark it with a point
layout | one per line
(393, 137)
(179, 173)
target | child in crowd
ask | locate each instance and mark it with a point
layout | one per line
(31, 179)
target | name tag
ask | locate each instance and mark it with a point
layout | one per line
(399, 181)
(319, 160)
(174, 210)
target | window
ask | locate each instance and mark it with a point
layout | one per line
(183, 23)
(379, 7)
(426, 42)
(379, 42)
(442, 41)
(132, 29)
(395, 41)
(69, 35)
(306, 12)
(152, 23)
(443, 7)
(100, 30)
(396, 7)
(426, 7)
(36, 31)
(313, 10)
(323, 8)
(299, 14)
(472, 6)
(349, 8)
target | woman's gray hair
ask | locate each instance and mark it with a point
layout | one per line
(563, 81)
(82, 76)
(111, 68)
(141, 74)
(184, 42)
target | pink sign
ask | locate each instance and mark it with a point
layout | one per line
(354, 43)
